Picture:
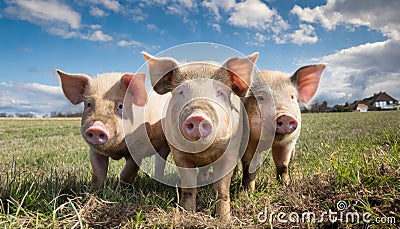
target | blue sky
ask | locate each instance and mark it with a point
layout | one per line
(359, 40)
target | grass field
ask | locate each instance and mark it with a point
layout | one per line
(346, 163)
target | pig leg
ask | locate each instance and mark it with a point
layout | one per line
(293, 153)
(281, 155)
(221, 188)
(188, 195)
(188, 199)
(129, 172)
(248, 179)
(160, 161)
(99, 170)
(188, 177)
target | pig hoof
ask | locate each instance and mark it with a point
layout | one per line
(94, 189)
(252, 186)
(188, 202)
(223, 211)
(124, 185)
(249, 185)
(188, 206)
(284, 180)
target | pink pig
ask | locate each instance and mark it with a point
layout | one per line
(102, 126)
(287, 92)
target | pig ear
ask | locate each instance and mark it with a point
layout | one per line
(307, 80)
(240, 70)
(135, 84)
(73, 86)
(161, 72)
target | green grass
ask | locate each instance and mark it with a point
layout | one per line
(351, 157)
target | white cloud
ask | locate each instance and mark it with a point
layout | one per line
(131, 43)
(63, 32)
(138, 14)
(377, 15)
(217, 27)
(361, 71)
(151, 27)
(259, 40)
(43, 12)
(248, 14)
(34, 98)
(6, 84)
(97, 35)
(97, 12)
(214, 6)
(181, 9)
(255, 14)
(95, 26)
(56, 18)
(178, 7)
(187, 3)
(109, 4)
(24, 49)
(306, 34)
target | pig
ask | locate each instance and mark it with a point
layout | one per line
(102, 126)
(287, 92)
(202, 120)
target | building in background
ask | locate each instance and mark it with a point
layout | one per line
(379, 101)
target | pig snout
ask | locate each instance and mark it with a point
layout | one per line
(285, 124)
(197, 126)
(96, 134)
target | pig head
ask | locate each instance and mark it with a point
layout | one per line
(287, 92)
(101, 124)
(202, 123)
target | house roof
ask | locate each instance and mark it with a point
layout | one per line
(384, 97)
(361, 105)
(377, 97)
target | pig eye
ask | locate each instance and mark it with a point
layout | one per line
(119, 107)
(260, 98)
(220, 93)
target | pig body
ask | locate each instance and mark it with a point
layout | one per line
(101, 124)
(287, 92)
(202, 123)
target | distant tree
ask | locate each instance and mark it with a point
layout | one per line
(26, 115)
(59, 114)
(341, 108)
(77, 114)
(323, 107)
(304, 110)
(3, 115)
(315, 107)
